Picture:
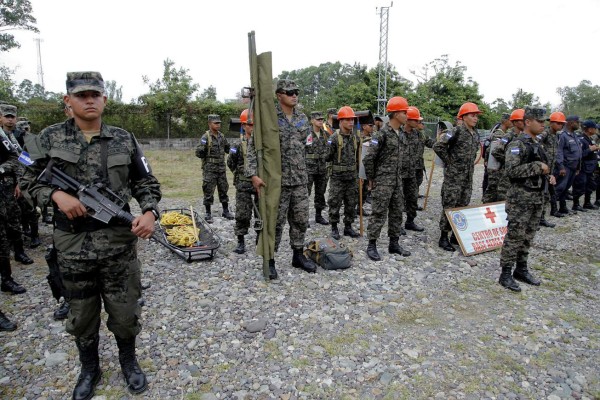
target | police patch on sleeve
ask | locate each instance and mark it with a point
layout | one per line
(374, 142)
(232, 150)
(329, 141)
(505, 140)
(25, 159)
(203, 141)
(515, 150)
(449, 135)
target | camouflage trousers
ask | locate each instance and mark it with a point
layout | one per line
(419, 175)
(293, 207)
(13, 213)
(387, 202)
(343, 192)
(212, 180)
(491, 192)
(243, 209)
(523, 222)
(114, 281)
(320, 183)
(29, 214)
(410, 190)
(454, 194)
(4, 240)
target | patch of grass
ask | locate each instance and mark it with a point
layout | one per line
(396, 391)
(301, 362)
(579, 321)
(223, 367)
(272, 350)
(503, 362)
(349, 342)
(147, 365)
(546, 359)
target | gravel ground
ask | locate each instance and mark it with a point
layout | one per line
(432, 325)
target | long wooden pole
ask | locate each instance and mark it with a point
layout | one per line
(429, 183)
(360, 206)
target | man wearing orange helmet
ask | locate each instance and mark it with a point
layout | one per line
(410, 160)
(458, 150)
(549, 142)
(527, 168)
(245, 194)
(383, 168)
(343, 154)
(316, 165)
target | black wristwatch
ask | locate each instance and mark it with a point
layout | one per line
(154, 212)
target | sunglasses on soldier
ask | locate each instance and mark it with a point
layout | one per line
(291, 93)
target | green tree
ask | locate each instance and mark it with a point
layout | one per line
(27, 90)
(210, 93)
(582, 100)
(15, 15)
(521, 99)
(7, 92)
(113, 92)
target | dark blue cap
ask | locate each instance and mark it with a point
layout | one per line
(588, 124)
(573, 118)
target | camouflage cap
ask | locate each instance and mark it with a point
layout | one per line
(285, 84)
(505, 117)
(316, 115)
(8, 109)
(331, 111)
(22, 124)
(83, 81)
(535, 113)
(214, 118)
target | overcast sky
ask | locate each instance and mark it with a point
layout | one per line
(530, 44)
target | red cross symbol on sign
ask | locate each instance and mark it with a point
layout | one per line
(490, 214)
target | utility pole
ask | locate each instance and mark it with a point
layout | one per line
(384, 14)
(40, 70)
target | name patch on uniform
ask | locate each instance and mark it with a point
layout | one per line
(309, 140)
(515, 150)
(233, 150)
(25, 159)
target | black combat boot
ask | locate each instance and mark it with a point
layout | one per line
(349, 231)
(35, 236)
(576, 206)
(335, 233)
(563, 208)
(587, 204)
(241, 246)
(554, 210)
(8, 284)
(411, 226)
(62, 311)
(453, 239)
(208, 218)
(522, 274)
(134, 376)
(395, 248)
(372, 250)
(299, 261)
(319, 219)
(272, 271)
(544, 222)
(20, 255)
(507, 280)
(444, 243)
(6, 324)
(90, 370)
(226, 213)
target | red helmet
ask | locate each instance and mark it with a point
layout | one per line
(346, 112)
(244, 117)
(468, 108)
(397, 103)
(517, 115)
(413, 113)
(557, 116)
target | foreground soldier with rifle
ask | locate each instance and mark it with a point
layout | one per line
(96, 252)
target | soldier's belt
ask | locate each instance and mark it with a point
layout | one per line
(344, 168)
(214, 160)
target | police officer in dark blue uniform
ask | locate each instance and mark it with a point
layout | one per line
(568, 161)
(584, 183)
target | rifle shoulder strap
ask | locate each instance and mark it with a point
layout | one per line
(104, 160)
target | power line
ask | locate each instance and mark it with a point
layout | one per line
(40, 70)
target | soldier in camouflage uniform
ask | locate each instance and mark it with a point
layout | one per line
(383, 168)
(316, 165)
(458, 150)
(293, 202)
(212, 149)
(494, 161)
(549, 142)
(98, 262)
(8, 118)
(365, 140)
(245, 195)
(424, 141)
(410, 157)
(343, 154)
(527, 168)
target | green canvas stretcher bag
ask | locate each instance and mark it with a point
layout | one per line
(329, 253)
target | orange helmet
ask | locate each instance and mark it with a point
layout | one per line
(517, 115)
(557, 116)
(468, 108)
(346, 112)
(413, 113)
(244, 117)
(397, 103)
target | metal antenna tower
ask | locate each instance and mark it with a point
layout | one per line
(40, 70)
(384, 13)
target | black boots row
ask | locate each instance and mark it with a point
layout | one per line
(8, 283)
(226, 213)
(91, 373)
(6, 324)
(521, 273)
(393, 248)
(348, 231)
(447, 244)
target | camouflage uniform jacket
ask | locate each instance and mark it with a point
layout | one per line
(458, 150)
(344, 157)
(524, 159)
(316, 152)
(8, 158)
(423, 142)
(212, 150)
(498, 150)
(383, 158)
(292, 138)
(238, 155)
(66, 146)
(549, 142)
(408, 153)
(17, 148)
